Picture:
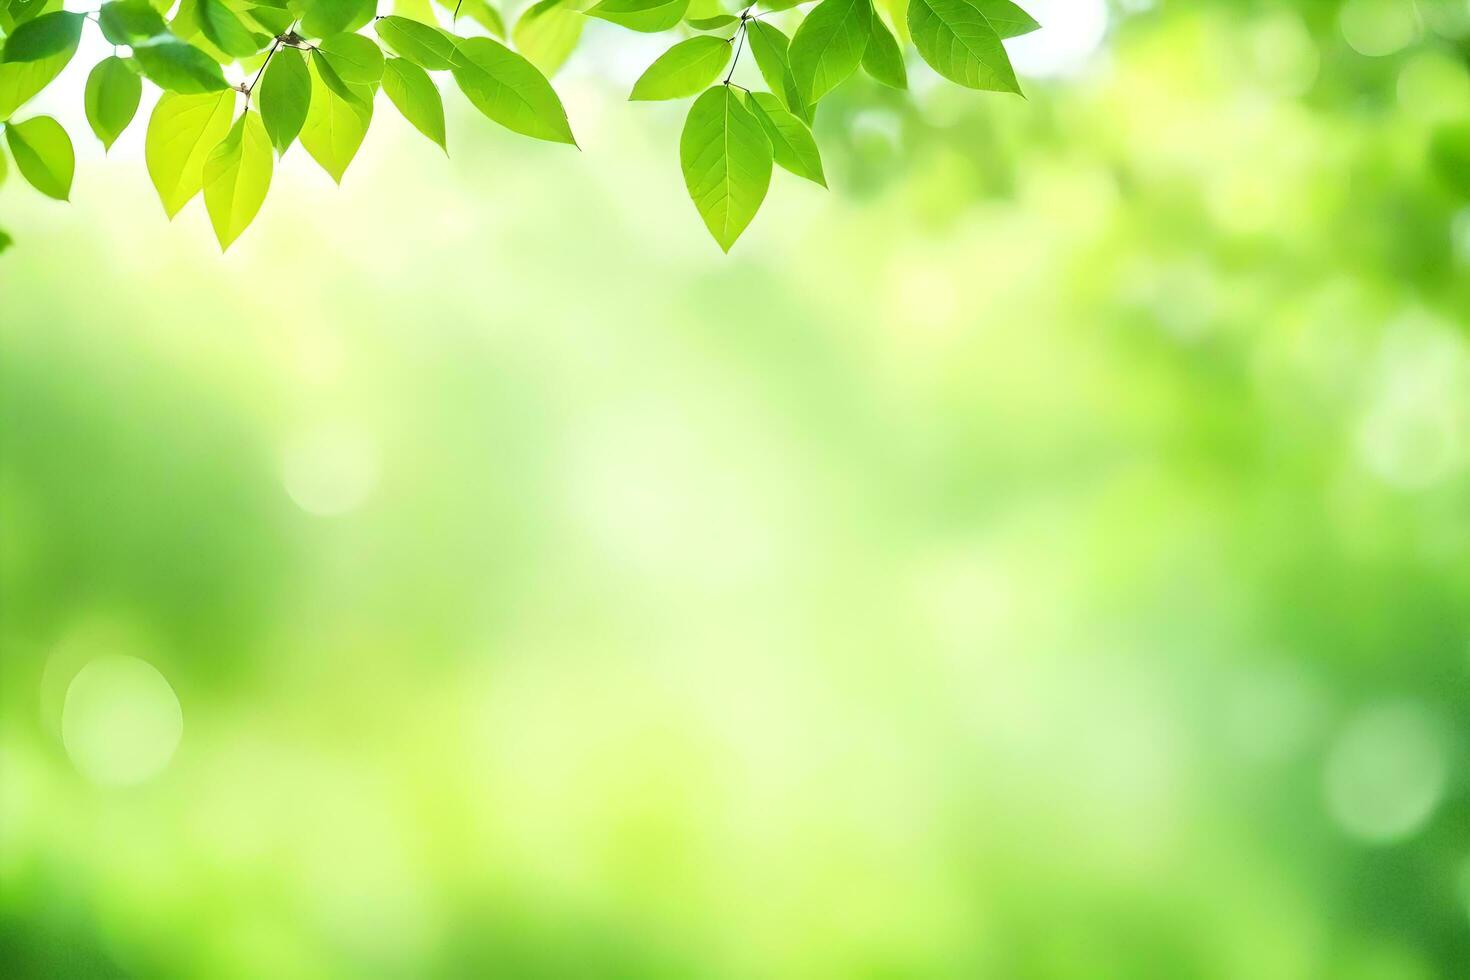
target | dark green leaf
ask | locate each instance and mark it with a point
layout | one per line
(43, 37)
(726, 158)
(178, 67)
(683, 70)
(20, 82)
(43, 155)
(285, 96)
(130, 21)
(508, 88)
(111, 98)
(225, 31)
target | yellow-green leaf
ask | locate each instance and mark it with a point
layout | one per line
(829, 45)
(19, 82)
(43, 155)
(508, 88)
(791, 141)
(426, 46)
(111, 98)
(182, 132)
(683, 70)
(236, 178)
(411, 89)
(547, 34)
(355, 59)
(726, 158)
(883, 58)
(648, 16)
(335, 126)
(958, 41)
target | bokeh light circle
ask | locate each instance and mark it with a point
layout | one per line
(1379, 27)
(121, 721)
(1386, 773)
(330, 469)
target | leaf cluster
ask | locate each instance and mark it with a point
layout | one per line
(244, 80)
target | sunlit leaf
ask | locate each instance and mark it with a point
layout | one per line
(111, 98)
(547, 34)
(479, 11)
(508, 88)
(428, 47)
(411, 89)
(43, 155)
(957, 41)
(791, 141)
(285, 96)
(236, 178)
(355, 59)
(726, 157)
(770, 48)
(1008, 19)
(883, 58)
(714, 23)
(648, 16)
(683, 70)
(182, 132)
(335, 126)
(829, 45)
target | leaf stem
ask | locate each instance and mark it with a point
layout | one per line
(249, 89)
(740, 46)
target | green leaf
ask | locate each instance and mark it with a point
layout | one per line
(3, 166)
(428, 47)
(335, 126)
(285, 95)
(355, 59)
(956, 39)
(648, 16)
(683, 70)
(236, 178)
(326, 17)
(181, 133)
(411, 89)
(270, 20)
(770, 48)
(726, 157)
(1008, 19)
(130, 21)
(5, 241)
(480, 12)
(20, 82)
(43, 155)
(20, 11)
(712, 23)
(178, 67)
(829, 45)
(226, 32)
(111, 98)
(43, 37)
(791, 140)
(508, 88)
(883, 58)
(774, 6)
(547, 34)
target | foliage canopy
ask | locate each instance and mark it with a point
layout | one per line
(243, 80)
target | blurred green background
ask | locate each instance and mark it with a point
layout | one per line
(1047, 555)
